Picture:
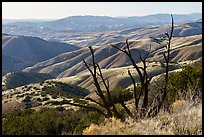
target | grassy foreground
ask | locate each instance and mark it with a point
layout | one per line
(184, 119)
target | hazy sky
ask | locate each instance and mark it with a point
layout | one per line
(57, 10)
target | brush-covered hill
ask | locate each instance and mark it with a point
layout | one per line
(21, 51)
(70, 64)
(17, 79)
(46, 94)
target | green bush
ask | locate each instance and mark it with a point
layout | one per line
(119, 95)
(86, 121)
(188, 80)
(43, 94)
(45, 99)
(60, 108)
(31, 122)
(27, 99)
(48, 121)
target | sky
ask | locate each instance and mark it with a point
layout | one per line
(58, 10)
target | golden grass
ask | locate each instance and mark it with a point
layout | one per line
(178, 105)
(186, 122)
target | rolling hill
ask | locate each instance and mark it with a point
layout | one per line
(44, 94)
(17, 79)
(134, 33)
(70, 64)
(21, 51)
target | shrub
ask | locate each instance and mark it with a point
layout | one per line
(187, 83)
(87, 120)
(54, 96)
(22, 95)
(186, 122)
(43, 94)
(27, 99)
(31, 122)
(64, 102)
(45, 99)
(39, 99)
(60, 108)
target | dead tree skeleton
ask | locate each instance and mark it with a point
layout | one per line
(144, 80)
(154, 110)
(107, 103)
(142, 72)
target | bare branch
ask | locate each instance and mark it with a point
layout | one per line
(172, 26)
(88, 107)
(128, 47)
(88, 67)
(164, 57)
(119, 48)
(140, 56)
(135, 92)
(126, 109)
(149, 51)
(92, 100)
(150, 79)
(167, 34)
(131, 59)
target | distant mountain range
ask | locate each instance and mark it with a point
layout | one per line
(5, 21)
(89, 38)
(105, 23)
(103, 38)
(21, 51)
(88, 24)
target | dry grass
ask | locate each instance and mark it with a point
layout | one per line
(186, 122)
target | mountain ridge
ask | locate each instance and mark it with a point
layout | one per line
(70, 64)
(29, 50)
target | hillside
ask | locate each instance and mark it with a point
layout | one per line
(10, 64)
(43, 108)
(17, 79)
(41, 95)
(133, 33)
(70, 64)
(21, 51)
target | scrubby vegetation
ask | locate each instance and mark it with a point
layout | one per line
(18, 79)
(186, 122)
(46, 121)
(186, 84)
(62, 89)
(184, 104)
(185, 116)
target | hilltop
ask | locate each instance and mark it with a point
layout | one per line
(21, 51)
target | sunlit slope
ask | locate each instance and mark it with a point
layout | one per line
(70, 63)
